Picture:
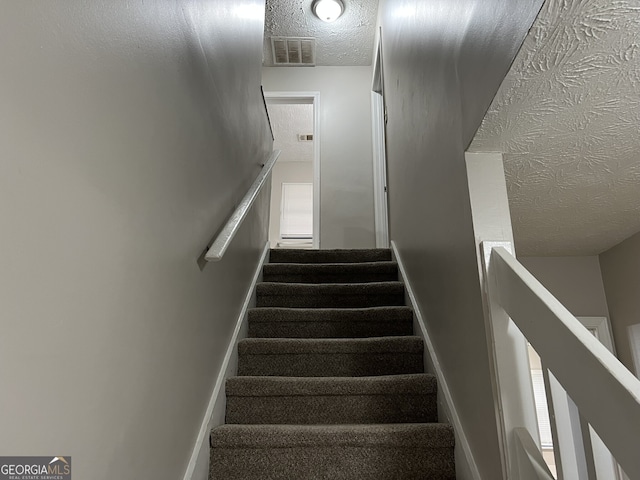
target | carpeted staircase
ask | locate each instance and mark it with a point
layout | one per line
(330, 381)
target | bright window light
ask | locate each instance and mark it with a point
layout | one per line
(296, 212)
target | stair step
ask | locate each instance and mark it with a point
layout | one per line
(362, 452)
(329, 256)
(331, 272)
(335, 357)
(331, 381)
(274, 322)
(339, 295)
(331, 400)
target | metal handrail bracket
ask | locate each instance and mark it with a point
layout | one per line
(224, 238)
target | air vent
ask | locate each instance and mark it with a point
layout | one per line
(292, 51)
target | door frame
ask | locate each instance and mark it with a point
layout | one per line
(306, 98)
(379, 120)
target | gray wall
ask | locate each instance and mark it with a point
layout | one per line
(575, 281)
(443, 63)
(346, 171)
(128, 132)
(621, 275)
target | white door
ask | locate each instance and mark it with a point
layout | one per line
(379, 118)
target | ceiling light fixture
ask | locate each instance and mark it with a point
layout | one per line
(328, 10)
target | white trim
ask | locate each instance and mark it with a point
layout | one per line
(198, 466)
(603, 329)
(306, 98)
(444, 393)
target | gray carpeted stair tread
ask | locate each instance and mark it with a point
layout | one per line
(330, 272)
(336, 452)
(338, 315)
(278, 322)
(355, 357)
(329, 256)
(339, 295)
(336, 289)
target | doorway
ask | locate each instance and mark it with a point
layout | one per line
(295, 179)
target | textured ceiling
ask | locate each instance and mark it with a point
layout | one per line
(567, 118)
(288, 121)
(346, 42)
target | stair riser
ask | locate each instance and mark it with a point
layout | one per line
(335, 462)
(329, 256)
(330, 365)
(331, 278)
(332, 409)
(330, 301)
(329, 329)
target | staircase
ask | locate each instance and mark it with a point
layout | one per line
(331, 381)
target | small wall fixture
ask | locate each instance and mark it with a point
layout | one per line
(328, 10)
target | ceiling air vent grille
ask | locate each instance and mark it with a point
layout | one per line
(292, 51)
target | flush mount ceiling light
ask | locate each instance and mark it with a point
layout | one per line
(328, 10)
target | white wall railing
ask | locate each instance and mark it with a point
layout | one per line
(606, 394)
(224, 238)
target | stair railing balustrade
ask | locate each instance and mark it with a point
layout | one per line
(606, 394)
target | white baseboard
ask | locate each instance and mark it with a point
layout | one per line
(198, 467)
(466, 467)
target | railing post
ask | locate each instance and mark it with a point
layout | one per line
(509, 362)
(552, 422)
(587, 448)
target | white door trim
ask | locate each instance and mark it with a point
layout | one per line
(306, 98)
(379, 151)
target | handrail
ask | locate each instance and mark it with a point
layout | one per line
(223, 240)
(606, 393)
